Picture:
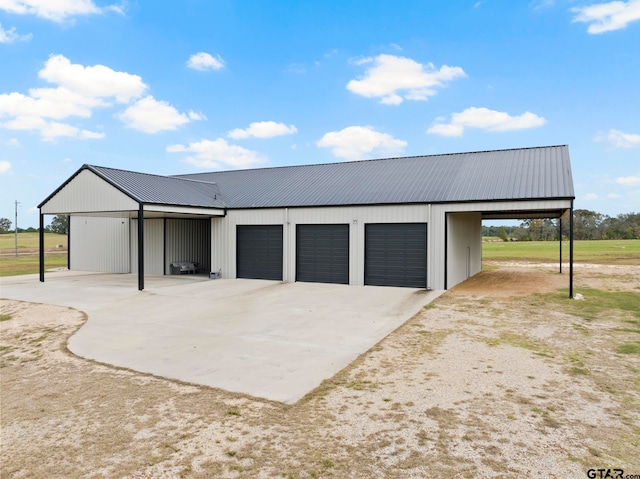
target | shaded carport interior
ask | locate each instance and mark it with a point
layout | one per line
(111, 193)
(542, 214)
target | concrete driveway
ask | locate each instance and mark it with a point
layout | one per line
(263, 338)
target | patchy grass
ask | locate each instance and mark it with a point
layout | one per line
(629, 348)
(433, 399)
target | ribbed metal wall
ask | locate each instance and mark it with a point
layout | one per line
(188, 240)
(88, 193)
(224, 230)
(99, 244)
(153, 246)
(464, 247)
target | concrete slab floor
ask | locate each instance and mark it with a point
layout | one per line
(268, 339)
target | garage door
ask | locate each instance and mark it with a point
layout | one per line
(259, 252)
(396, 255)
(322, 253)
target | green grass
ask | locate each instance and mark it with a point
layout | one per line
(597, 303)
(629, 348)
(27, 262)
(29, 242)
(598, 252)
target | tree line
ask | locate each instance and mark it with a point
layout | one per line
(587, 225)
(59, 225)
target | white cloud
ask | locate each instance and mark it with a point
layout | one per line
(79, 90)
(394, 79)
(606, 17)
(619, 139)
(196, 116)
(485, 119)
(151, 116)
(216, 154)
(590, 197)
(262, 129)
(204, 61)
(50, 131)
(5, 166)
(614, 196)
(628, 180)
(13, 142)
(53, 130)
(55, 10)
(92, 81)
(356, 142)
(11, 36)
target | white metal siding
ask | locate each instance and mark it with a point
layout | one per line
(88, 193)
(153, 246)
(464, 247)
(188, 240)
(223, 231)
(99, 244)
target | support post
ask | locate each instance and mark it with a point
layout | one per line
(41, 247)
(571, 251)
(140, 248)
(560, 230)
(69, 242)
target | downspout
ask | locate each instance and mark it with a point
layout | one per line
(446, 252)
(140, 247)
(41, 243)
(428, 245)
(286, 248)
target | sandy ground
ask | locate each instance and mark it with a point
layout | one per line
(501, 377)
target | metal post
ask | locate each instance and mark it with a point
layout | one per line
(69, 242)
(560, 228)
(571, 251)
(140, 248)
(41, 252)
(15, 230)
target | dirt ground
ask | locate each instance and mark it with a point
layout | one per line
(503, 376)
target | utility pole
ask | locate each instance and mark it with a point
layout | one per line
(15, 225)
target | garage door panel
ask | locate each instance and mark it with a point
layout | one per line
(396, 254)
(322, 253)
(259, 252)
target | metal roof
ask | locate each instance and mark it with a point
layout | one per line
(515, 174)
(164, 190)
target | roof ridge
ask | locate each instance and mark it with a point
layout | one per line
(173, 177)
(366, 161)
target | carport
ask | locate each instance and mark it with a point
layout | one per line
(556, 213)
(99, 192)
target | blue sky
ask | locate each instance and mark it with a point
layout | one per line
(200, 85)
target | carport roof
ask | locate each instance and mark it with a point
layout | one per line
(155, 189)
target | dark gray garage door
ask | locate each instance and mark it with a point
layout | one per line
(259, 252)
(396, 254)
(322, 253)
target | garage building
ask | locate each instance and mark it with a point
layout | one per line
(414, 222)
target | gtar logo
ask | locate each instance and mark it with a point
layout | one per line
(605, 473)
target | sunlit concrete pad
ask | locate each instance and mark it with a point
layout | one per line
(263, 338)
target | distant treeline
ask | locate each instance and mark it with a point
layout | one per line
(587, 225)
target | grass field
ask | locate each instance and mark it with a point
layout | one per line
(596, 252)
(26, 262)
